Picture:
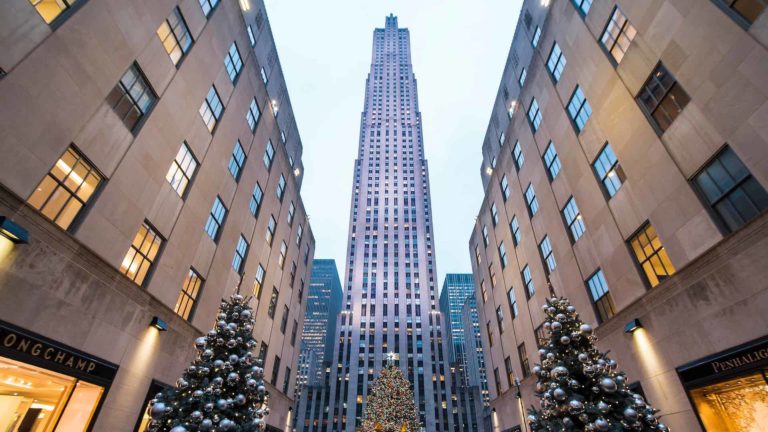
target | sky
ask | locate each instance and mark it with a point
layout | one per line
(458, 50)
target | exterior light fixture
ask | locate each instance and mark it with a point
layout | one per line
(297, 172)
(13, 232)
(632, 326)
(274, 106)
(488, 170)
(159, 324)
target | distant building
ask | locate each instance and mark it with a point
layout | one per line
(469, 399)
(625, 166)
(323, 307)
(150, 152)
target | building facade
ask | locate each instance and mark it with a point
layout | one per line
(462, 329)
(625, 167)
(319, 332)
(150, 166)
(390, 300)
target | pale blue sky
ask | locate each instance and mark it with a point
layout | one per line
(458, 53)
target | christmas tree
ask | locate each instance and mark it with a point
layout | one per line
(223, 389)
(391, 406)
(578, 386)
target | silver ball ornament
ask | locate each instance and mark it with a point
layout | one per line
(556, 326)
(603, 407)
(179, 429)
(565, 340)
(608, 385)
(560, 394)
(586, 328)
(630, 414)
(602, 424)
(157, 411)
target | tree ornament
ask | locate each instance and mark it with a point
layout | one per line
(390, 405)
(179, 429)
(608, 385)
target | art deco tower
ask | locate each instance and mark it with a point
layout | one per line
(390, 303)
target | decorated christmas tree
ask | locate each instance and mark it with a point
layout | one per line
(578, 386)
(391, 407)
(223, 389)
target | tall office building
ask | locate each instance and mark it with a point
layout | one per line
(390, 301)
(150, 165)
(319, 333)
(459, 289)
(625, 167)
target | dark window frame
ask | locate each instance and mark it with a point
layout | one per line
(667, 92)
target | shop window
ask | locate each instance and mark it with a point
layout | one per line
(143, 421)
(37, 399)
(738, 404)
(67, 188)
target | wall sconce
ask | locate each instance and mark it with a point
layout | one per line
(632, 326)
(12, 231)
(159, 324)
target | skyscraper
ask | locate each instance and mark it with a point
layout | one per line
(390, 303)
(323, 307)
(456, 300)
(624, 167)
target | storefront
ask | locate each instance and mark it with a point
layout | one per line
(729, 390)
(46, 386)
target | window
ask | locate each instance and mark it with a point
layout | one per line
(273, 303)
(483, 291)
(211, 109)
(251, 37)
(271, 230)
(573, 219)
(502, 138)
(744, 10)
(618, 35)
(512, 302)
(208, 5)
(494, 214)
(237, 161)
(523, 360)
(258, 281)
(530, 198)
(263, 349)
(269, 154)
(510, 372)
(651, 255)
(536, 37)
(662, 98)
(182, 169)
(503, 255)
(505, 190)
(294, 330)
(490, 333)
(286, 380)
(284, 320)
(477, 255)
(50, 10)
(534, 115)
(256, 197)
(185, 304)
(485, 236)
(132, 98)
(542, 339)
(241, 250)
(174, 35)
(514, 226)
(556, 62)
(552, 161)
(601, 297)
(500, 319)
(281, 257)
(280, 191)
(264, 77)
(66, 189)
(579, 109)
(729, 189)
(299, 234)
(252, 115)
(521, 78)
(545, 247)
(530, 290)
(141, 254)
(215, 219)
(233, 63)
(275, 371)
(497, 379)
(609, 170)
(517, 153)
(291, 212)
(582, 6)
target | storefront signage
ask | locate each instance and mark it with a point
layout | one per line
(744, 357)
(25, 346)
